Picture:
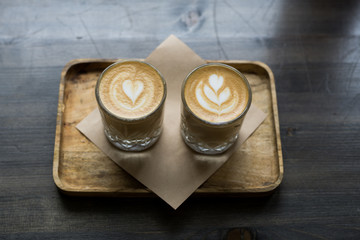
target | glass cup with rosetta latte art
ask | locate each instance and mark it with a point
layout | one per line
(215, 99)
(131, 96)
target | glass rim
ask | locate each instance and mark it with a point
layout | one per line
(102, 106)
(219, 124)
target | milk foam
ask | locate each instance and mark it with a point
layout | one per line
(213, 94)
(131, 89)
(216, 93)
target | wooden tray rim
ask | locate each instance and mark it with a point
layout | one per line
(146, 192)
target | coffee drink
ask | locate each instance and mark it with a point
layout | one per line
(215, 98)
(131, 89)
(131, 96)
(216, 94)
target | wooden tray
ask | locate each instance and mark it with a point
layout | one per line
(80, 168)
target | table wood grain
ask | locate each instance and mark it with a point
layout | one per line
(313, 48)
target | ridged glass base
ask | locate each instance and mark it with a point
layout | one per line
(134, 145)
(201, 147)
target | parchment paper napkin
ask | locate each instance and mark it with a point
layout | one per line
(169, 168)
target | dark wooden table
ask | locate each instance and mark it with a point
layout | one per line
(313, 48)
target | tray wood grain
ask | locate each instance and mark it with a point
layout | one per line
(80, 168)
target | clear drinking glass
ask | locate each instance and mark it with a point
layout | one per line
(131, 133)
(200, 133)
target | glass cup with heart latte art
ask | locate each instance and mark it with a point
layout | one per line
(131, 96)
(215, 98)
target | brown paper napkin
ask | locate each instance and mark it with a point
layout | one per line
(169, 168)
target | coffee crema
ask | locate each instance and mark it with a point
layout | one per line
(216, 93)
(131, 89)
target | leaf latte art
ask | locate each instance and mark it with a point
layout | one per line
(215, 98)
(216, 93)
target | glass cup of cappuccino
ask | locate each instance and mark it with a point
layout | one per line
(215, 99)
(131, 95)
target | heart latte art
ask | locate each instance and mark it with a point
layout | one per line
(131, 89)
(216, 93)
